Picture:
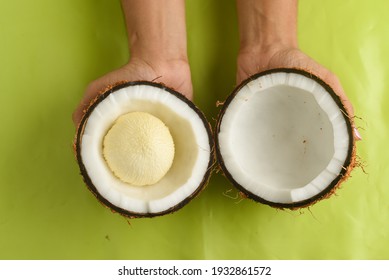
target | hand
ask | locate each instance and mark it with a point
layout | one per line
(173, 74)
(253, 62)
(157, 43)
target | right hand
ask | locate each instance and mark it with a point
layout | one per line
(173, 74)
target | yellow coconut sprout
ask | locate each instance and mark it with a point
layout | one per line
(139, 149)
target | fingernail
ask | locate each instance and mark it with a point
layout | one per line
(357, 135)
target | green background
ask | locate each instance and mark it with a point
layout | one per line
(51, 50)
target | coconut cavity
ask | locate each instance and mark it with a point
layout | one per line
(283, 138)
(144, 150)
(139, 148)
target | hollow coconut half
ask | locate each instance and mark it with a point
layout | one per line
(144, 149)
(283, 138)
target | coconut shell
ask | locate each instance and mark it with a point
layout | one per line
(78, 138)
(349, 164)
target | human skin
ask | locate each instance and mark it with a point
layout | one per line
(157, 44)
(268, 40)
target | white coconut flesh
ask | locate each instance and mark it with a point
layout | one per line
(177, 180)
(283, 138)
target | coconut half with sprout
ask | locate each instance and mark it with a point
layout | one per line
(283, 138)
(143, 149)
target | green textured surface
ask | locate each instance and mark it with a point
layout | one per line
(50, 50)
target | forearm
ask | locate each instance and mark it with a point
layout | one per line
(156, 29)
(266, 23)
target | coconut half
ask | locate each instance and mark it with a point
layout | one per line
(143, 149)
(283, 138)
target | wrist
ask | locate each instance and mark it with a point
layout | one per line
(156, 29)
(266, 25)
(270, 38)
(157, 52)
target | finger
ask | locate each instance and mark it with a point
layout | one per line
(337, 87)
(76, 116)
(90, 93)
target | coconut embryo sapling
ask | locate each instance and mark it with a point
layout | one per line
(139, 148)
